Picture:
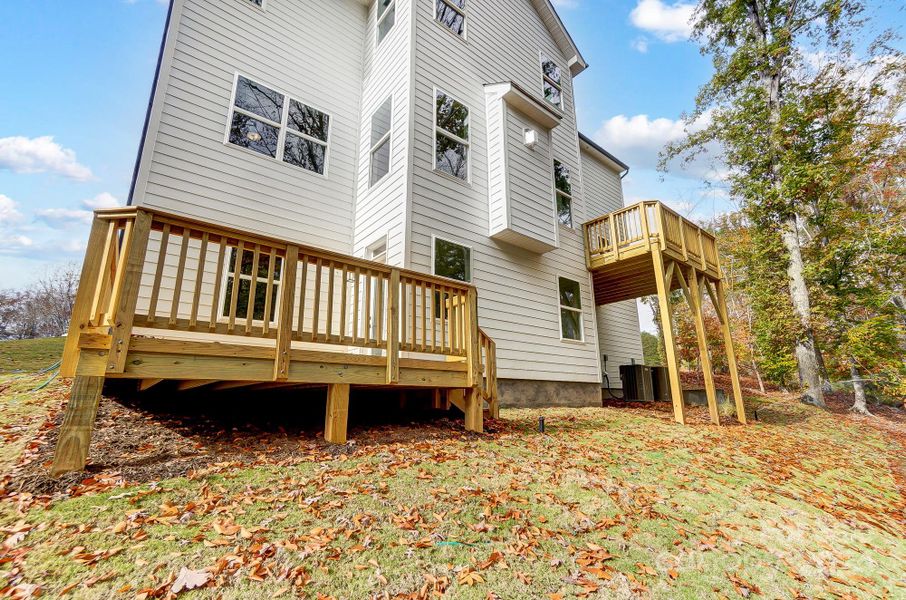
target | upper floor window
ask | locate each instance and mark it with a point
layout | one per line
(380, 141)
(386, 18)
(268, 122)
(564, 194)
(570, 309)
(452, 15)
(258, 3)
(553, 81)
(451, 136)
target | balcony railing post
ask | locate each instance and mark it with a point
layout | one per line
(614, 243)
(393, 327)
(285, 322)
(473, 346)
(661, 224)
(643, 219)
(126, 286)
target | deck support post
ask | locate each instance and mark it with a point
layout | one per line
(663, 295)
(695, 296)
(731, 352)
(78, 421)
(337, 413)
(474, 410)
(285, 323)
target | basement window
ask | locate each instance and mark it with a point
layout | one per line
(570, 309)
(245, 285)
(552, 86)
(386, 18)
(270, 123)
(452, 15)
(380, 141)
(564, 194)
(451, 136)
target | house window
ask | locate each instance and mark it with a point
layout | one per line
(553, 82)
(378, 251)
(450, 260)
(386, 18)
(380, 141)
(570, 309)
(245, 285)
(564, 194)
(270, 123)
(258, 3)
(452, 15)
(451, 136)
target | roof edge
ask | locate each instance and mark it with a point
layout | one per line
(602, 152)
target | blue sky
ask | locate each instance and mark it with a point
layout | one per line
(77, 75)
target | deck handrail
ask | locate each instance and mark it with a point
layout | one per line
(646, 223)
(153, 270)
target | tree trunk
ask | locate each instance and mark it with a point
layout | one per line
(758, 376)
(806, 350)
(860, 405)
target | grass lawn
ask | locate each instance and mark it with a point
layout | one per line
(29, 356)
(609, 503)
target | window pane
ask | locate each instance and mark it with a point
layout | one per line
(304, 153)
(380, 161)
(385, 25)
(569, 293)
(260, 100)
(564, 210)
(561, 178)
(449, 16)
(452, 260)
(254, 134)
(551, 94)
(451, 157)
(307, 120)
(242, 299)
(382, 7)
(452, 116)
(551, 70)
(570, 324)
(380, 121)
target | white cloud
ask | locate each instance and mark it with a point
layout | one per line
(64, 217)
(102, 200)
(640, 44)
(9, 211)
(40, 155)
(669, 22)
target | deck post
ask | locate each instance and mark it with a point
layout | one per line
(393, 328)
(731, 352)
(81, 309)
(285, 322)
(78, 421)
(695, 295)
(474, 410)
(663, 294)
(129, 278)
(337, 413)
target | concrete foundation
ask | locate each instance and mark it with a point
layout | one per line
(528, 393)
(700, 398)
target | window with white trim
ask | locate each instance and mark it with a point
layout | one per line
(258, 3)
(452, 15)
(553, 82)
(245, 285)
(386, 18)
(378, 251)
(451, 136)
(380, 141)
(564, 194)
(270, 123)
(450, 260)
(570, 309)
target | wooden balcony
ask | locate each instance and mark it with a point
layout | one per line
(163, 297)
(618, 250)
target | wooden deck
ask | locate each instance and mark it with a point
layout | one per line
(647, 249)
(164, 298)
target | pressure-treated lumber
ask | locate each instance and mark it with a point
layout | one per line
(78, 421)
(146, 384)
(731, 352)
(663, 292)
(695, 299)
(474, 410)
(335, 421)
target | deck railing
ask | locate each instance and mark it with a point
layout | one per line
(646, 223)
(155, 271)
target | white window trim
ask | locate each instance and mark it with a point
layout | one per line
(544, 78)
(387, 137)
(228, 276)
(250, 2)
(465, 19)
(579, 310)
(437, 129)
(376, 242)
(434, 239)
(380, 19)
(282, 127)
(558, 192)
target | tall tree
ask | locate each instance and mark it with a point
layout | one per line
(750, 109)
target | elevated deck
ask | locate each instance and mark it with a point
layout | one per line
(165, 298)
